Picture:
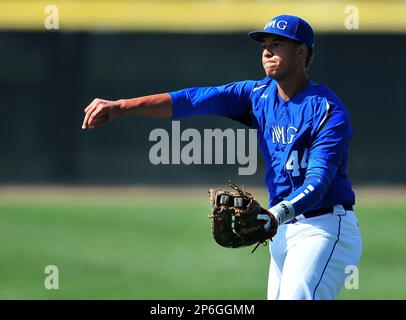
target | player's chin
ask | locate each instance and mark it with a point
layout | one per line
(272, 72)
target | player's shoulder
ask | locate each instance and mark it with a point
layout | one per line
(250, 85)
(326, 107)
(258, 87)
(263, 83)
(322, 96)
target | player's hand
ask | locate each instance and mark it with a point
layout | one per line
(271, 223)
(101, 111)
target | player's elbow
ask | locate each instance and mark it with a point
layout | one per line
(319, 183)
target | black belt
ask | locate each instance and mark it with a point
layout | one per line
(321, 211)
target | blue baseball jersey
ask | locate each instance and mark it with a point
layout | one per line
(304, 140)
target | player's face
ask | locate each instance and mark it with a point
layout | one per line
(280, 57)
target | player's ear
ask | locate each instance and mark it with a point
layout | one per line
(302, 52)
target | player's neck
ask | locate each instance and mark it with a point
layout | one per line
(288, 87)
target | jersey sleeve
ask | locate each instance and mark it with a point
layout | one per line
(331, 134)
(231, 100)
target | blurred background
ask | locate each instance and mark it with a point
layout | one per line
(91, 203)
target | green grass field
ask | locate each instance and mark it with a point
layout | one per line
(147, 244)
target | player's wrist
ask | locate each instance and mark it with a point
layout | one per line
(124, 105)
(129, 106)
(283, 212)
(272, 220)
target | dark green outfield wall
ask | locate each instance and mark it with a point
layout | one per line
(46, 80)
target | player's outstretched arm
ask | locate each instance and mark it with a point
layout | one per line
(101, 111)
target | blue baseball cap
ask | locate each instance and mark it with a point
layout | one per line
(287, 26)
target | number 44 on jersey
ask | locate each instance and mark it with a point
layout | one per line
(293, 164)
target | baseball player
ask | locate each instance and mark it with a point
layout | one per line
(303, 132)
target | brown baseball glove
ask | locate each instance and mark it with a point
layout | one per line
(238, 220)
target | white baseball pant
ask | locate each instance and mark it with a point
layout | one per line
(309, 257)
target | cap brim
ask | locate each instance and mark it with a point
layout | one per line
(259, 35)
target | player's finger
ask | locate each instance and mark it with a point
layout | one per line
(89, 113)
(86, 119)
(84, 124)
(94, 110)
(97, 112)
(99, 121)
(89, 106)
(93, 103)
